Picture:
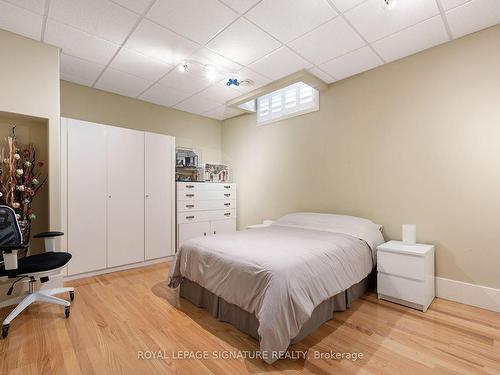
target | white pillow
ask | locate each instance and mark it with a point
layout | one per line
(354, 226)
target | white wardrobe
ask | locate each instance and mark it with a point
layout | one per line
(119, 190)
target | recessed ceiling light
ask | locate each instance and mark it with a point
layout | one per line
(390, 3)
(211, 72)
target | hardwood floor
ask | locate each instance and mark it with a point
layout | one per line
(117, 315)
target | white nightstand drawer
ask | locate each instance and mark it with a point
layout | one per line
(408, 266)
(401, 288)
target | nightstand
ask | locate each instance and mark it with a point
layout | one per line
(406, 274)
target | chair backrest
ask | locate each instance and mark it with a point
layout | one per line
(10, 234)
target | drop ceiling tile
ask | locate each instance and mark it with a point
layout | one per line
(325, 77)
(473, 16)
(353, 63)
(100, 18)
(449, 4)
(220, 92)
(37, 6)
(289, 19)
(79, 44)
(20, 21)
(333, 39)
(197, 104)
(192, 81)
(155, 41)
(412, 40)
(121, 83)
(375, 20)
(134, 63)
(207, 57)
(243, 42)
(78, 70)
(257, 79)
(279, 63)
(138, 6)
(222, 113)
(343, 5)
(164, 95)
(241, 6)
(194, 19)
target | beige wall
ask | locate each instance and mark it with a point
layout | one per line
(415, 141)
(85, 103)
(29, 85)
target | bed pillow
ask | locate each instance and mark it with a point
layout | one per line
(354, 226)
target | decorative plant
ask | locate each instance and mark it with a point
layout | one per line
(20, 181)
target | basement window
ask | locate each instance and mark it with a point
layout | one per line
(290, 101)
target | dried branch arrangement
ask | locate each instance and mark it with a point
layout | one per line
(20, 180)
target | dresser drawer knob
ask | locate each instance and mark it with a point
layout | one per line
(227, 204)
(189, 205)
(227, 195)
(189, 217)
(227, 186)
(227, 214)
(190, 195)
(189, 186)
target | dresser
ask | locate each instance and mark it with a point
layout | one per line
(405, 274)
(205, 209)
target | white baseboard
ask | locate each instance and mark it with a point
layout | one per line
(119, 268)
(469, 294)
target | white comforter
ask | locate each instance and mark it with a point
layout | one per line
(280, 274)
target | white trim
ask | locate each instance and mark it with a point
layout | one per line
(469, 294)
(119, 268)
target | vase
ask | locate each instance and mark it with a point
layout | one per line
(25, 227)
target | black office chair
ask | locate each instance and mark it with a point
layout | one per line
(37, 267)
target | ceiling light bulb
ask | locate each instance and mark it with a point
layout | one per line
(390, 3)
(183, 68)
(211, 72)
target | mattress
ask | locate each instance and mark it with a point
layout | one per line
(279, 274)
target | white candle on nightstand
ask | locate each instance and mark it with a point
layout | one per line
(409, 234)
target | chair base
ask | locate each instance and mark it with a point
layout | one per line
(46, 295)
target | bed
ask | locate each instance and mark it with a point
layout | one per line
(280, 283)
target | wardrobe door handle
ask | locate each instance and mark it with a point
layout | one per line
(227, 204)
(190, 195)
(189, 217)
(189, 205)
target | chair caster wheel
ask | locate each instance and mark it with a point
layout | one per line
(66, 311)
(5, 330)
(71, 296)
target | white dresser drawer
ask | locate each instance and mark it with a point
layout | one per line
(202, 186)
(408, 266)
(401, 288)
(195, 205)
(202, 195)
(196, 216)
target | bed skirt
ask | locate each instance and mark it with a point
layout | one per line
(248, 323)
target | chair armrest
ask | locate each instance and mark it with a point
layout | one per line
(48, 234)
(9, 248)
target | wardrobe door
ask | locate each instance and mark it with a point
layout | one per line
(125, 155)
(159, 202)
(86, 199)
